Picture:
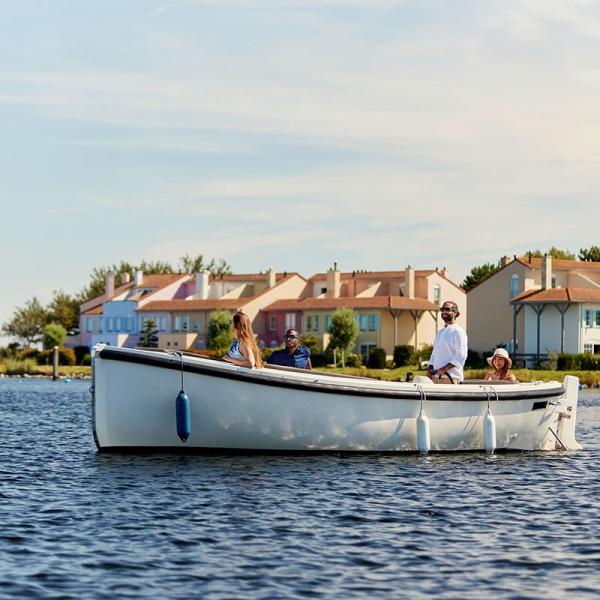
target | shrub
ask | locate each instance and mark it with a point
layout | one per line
(568, 362)
(80, 353)
(475, 360)
(29, 353)
(354, 361)
(311, 342)
(404, 355)
(66, 356)
(86, 360)
(15, 366)
(590, 362)
(321, 359)
(377, 358)
(425, 351)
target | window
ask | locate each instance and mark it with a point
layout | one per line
(290, 320)
(109, 324)
(327, 322)
(365, 350)
(323, 290)
(89, 324)
(588, 348)
(514, 286)
(272, 323)
(367, 322)
(597, 319)
(129, 324)
(117, 323)
(553, 280)
(312, 323)
(587, 318)
(437, 294)
(182, 323)
(195, 325)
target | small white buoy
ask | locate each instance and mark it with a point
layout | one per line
(489, 432)
(423, 439)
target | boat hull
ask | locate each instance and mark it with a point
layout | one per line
(233, 408)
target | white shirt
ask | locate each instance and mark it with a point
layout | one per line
(450, 346)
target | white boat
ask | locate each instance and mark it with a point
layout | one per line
(232, 408)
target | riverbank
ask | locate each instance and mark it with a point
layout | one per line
(587, 378)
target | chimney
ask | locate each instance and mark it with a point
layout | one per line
(445, 272)
(504, 261)
(126, 277)
(409, 283)
(271, 277)
(139, 277)
(201, 285)
(109, 284)
(334, 280)
(546, 272)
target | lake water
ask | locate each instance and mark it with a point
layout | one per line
(78, 524)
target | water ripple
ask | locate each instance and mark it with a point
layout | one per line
(76, 523)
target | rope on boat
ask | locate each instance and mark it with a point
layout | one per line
(557, 438)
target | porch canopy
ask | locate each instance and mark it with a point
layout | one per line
(561, 298)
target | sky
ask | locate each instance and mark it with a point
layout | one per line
(293, 134)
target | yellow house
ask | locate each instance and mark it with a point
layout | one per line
(534, 306)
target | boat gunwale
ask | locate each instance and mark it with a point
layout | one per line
(165, 360)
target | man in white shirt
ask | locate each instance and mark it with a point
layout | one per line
(449, 348)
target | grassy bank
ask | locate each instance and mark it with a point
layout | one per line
(29, 368)
(26, 367)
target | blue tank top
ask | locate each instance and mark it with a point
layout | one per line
(234, 351)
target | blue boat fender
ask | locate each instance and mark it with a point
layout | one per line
(183, 416)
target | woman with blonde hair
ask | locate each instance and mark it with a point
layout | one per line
(244, 351)
(501, 363)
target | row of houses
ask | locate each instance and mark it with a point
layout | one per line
(532, 306)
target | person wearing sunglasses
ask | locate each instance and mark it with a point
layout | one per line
(293, 355)
(449, 348)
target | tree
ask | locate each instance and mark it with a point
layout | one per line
(554, 252)
(64, 309)
(148, 338)
(590, 254)
(195, 264)
(54, 335)
(478, 274)
(344, 331)
(218, 333)
(28, 322)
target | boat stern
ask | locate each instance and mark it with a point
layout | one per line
(567, 414)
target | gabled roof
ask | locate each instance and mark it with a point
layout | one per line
(380, 302)
(560, 264)
(191, 305)
(370, 275)
(97, 310)
(210, 303)
(249, 277)
(558, 296)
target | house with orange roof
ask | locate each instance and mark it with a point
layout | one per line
(535, 306)
(113, 319)
(392, 307)
(188, 317)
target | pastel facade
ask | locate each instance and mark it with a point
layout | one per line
(537, 306)
(251, 293)
(392, 307)
(114, 318)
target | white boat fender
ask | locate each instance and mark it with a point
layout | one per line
(489, 429)
(423, 436)
(183, 414)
